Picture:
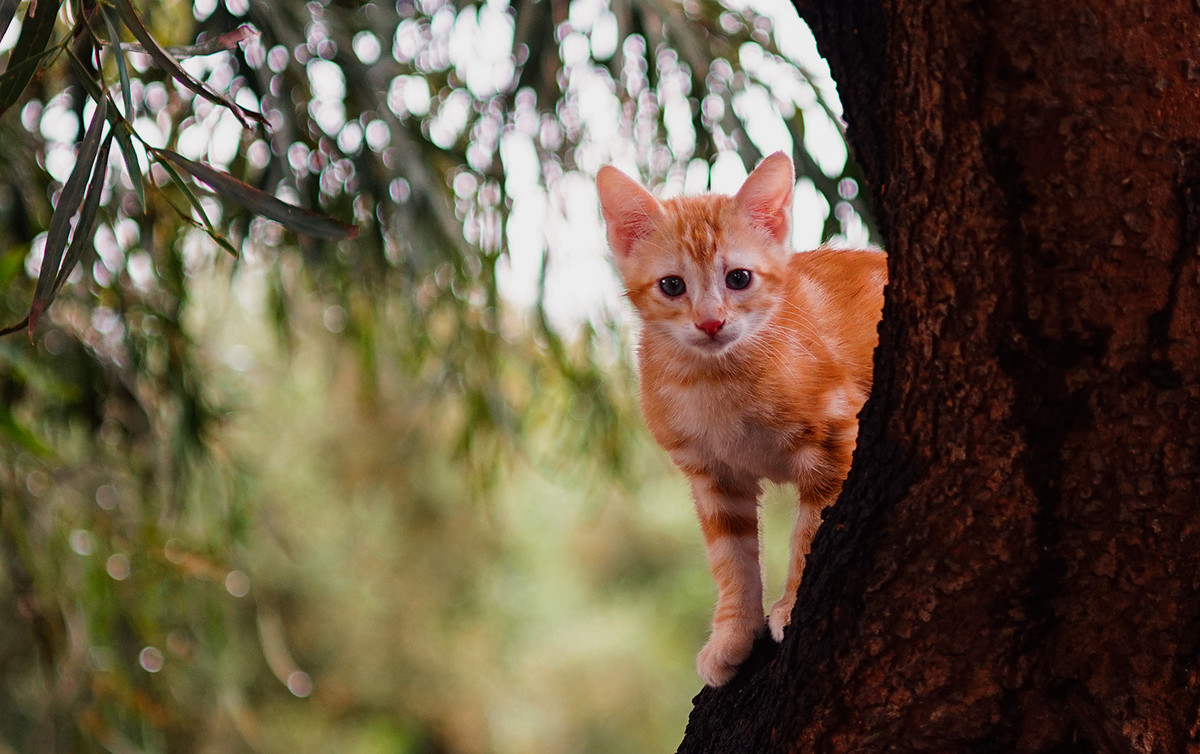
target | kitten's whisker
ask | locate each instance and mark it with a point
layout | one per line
(776, 330)
(800, 318)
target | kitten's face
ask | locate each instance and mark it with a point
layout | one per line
(705, 270)
(704, 276)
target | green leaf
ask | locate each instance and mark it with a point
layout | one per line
(60, 222)
(290, 216)
(86, 80)
(85, 227)
(26, 55)
(182, 185)
(114, 36)
(169, 64)
(132, 165)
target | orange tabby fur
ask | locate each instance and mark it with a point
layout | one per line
(742, 384)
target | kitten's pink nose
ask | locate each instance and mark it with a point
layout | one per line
(711, 326)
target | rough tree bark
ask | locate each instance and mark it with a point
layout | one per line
(1014, 564)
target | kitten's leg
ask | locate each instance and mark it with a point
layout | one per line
(728, 515)
(808, 519)
(819, 480)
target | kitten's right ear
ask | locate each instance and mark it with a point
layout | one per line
(766, 196)
(630, 212)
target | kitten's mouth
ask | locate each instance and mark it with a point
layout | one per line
(713, 345)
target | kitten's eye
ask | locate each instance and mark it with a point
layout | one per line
(672, 285)
(737, 279)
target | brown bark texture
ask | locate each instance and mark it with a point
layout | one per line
(1014, 563)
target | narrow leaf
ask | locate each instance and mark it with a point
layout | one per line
(169, 64)
(132, 165)
(114, 37)
(81, 240)
(190, 195)
(24, 59)
(86, 80)
(85, 227)
(15, 328)
(289, 216)
(60, 222)
(25, 70)
(206, 225)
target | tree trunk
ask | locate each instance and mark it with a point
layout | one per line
(1014, 564)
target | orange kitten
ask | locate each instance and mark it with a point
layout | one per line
(754, 362)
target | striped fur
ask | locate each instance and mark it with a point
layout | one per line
(768, 388)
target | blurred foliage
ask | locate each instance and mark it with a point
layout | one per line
(262, 491)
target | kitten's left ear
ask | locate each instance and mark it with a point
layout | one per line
(630, 211)
(766, 196)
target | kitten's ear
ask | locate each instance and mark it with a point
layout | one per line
(629, 210)
(766, 196)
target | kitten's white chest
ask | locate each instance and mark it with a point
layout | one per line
(721, 428)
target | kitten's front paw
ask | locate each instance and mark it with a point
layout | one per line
(781, 617)
(724, 652)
